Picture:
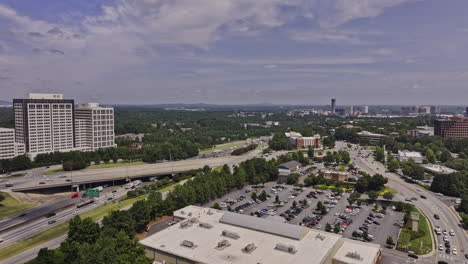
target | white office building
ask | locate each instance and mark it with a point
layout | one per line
(8, 147)
(94, 126)
(44, 123)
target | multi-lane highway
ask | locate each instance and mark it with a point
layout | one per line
(429, 206)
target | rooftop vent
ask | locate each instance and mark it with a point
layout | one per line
(319, 236)
(223, 244)
(188, 223)
(188, 244)
(249, 248)
(286, 248)
(205, 225)
(353, 255)
(230, 234)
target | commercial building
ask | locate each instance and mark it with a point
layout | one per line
(406, 155)
(333, 106)
(437, 169)
(349, 110)
(421, 131)
(212, 236)
(466, 112)
(435, 110)
(456, 127)
(335, 175)
(303, 143)
(287, 168)
(47, 123)
(9, 148)
(94, 127)
(372, 137)
(44, 123)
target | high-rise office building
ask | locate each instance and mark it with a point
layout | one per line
(435, 109)
(466, 112)
(9, 148)
(349, 110)
(44, 123)
(456, 127)
(94, 127)
(365, 109)
(333, 105)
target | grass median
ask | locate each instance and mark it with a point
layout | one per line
(222, 147)
(62, 229)
(10, 206)
(418, 242)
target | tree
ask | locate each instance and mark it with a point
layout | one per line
(373, 195)
(390, 241)
(277, 199)
(83, 231)
(345, 157)
(365, 235)
(355, 234)
(141, 213)
(254, 196)
(336, 229)
(430, 156)
(217, 206)
(329, 142)
(263, 196)
(310, 152)
(292, 179)
(328, 227)
(2, 197)
(294, 204)
(393, 165)
(388, 196)
(379, 154)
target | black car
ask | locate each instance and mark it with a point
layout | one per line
(424, 197)
(466, 256)
(50, 214)
(436, 216)
(52, 222)
(441, 262)
(411, 255)
(447, 250)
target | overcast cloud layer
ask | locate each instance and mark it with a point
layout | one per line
(236, 51)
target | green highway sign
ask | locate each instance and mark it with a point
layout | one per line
(92, 193)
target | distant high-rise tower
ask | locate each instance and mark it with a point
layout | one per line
(333, 105)
(466, 112)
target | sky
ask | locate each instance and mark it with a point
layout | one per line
(236, 51)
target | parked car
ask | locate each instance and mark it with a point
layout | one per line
(52, 222)
(436, 216)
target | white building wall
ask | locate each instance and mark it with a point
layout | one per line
(7, 143)
(95, 126)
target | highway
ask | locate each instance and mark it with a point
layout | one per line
(430, 206)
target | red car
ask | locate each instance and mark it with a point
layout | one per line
(75, 195)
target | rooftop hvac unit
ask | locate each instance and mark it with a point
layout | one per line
(223, 243)
(319, 236)
(249, 248)
(188, 244)
(230, 234)
(353, 255)
(205, 225)
(286, 248)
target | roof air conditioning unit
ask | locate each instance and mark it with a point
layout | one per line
(188, 244)
(286, 248)
(249, 248)
(205, 225)
(230, 234)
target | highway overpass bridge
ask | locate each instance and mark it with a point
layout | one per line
(97, 176)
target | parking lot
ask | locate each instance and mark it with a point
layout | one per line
(379, 224)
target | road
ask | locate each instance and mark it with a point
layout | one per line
(430, 206)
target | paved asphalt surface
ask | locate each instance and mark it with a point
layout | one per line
(430, 206)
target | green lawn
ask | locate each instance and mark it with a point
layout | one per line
(222, 147)
(11, 206)
(421, 245)
(16, 175)
(54, 171)
(62, 229)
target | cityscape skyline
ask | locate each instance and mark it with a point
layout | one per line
(298, 52)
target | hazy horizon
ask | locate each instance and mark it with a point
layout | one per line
(236, 52)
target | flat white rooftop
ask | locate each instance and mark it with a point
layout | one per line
(306, 245)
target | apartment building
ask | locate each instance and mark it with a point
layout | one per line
(44, 123)
(94, 127)
(9, 148)
(303, 143)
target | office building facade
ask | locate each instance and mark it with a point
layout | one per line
(333, 106)
(94, 127)
(44, 123)
(47, 123)
(456, 127)
(9, 148)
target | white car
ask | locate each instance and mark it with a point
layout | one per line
(446, 238)
(452, 233)
(454, 251)
(441, 247)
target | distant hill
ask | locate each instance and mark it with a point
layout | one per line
(5, 102)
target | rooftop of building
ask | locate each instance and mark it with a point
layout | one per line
(438, 168)
(214, 236)
(45, 96)
(290, 164)
(409, 154)
(370, 134)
